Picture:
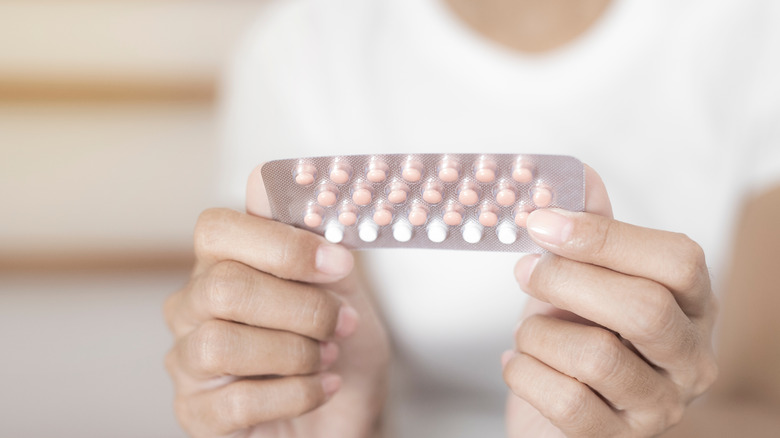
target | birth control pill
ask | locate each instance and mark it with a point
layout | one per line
(507, 233)
(340, 172)
(542, 196)
(305, 174)
(485, 170)
(334, 232)
(368, 231)
(437, 232)
(402, 231)
(472, 232)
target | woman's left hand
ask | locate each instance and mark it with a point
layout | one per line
(619, 339)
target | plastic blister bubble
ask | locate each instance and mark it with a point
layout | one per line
(447, 201)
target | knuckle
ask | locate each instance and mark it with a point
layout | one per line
(551, 274)
(692, 268)
(235, 407)
(304, 354)
(603, 231)
(528, 329)
(656, 313)
(569, 403)
(207, 348)
(659, 419)
(674, 414)
(223, 282)
(600, 359)
(295, 247)
(320, 311)
(512, 372)
(708, 374)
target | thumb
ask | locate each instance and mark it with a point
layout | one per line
(256, 197)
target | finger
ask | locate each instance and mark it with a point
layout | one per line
(597, 358)
(670, 259)
(569, 404)
(222, 348)
(257, 202)
(596, 198)
(278, 249)
(640, 310)
(235, 292)
(249, 402)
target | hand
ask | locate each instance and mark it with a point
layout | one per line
(272, 325)
(619, 341)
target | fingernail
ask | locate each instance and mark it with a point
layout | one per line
(506, 357)
(329, 352)
(524, 269)
(550, 226)
(347, 321)
(333, 260)
(330, 384)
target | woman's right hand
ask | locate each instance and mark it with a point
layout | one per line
(266, 332)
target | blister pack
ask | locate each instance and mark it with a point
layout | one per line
(447, 201)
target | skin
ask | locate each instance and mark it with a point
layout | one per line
(745, 400)
(274, 323)
(618, 340)
(271, 343)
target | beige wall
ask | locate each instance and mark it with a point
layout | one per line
(108, 143)
(107, 121)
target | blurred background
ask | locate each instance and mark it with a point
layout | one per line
(108, 140)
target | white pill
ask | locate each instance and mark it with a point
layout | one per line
(402, 231)
(472, 232)
(437, 232)
(368, 231)
(507, 233)
(334, 232)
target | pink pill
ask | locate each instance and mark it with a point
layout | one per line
(432, 196)
(522, 175)
(305, 174)
(397, 196)
(339, 175)
(485, 175)
(312, 220)
(521, 218)
(468, 197)
(505, 197)
(347, 218)
(376, 175)
(362, 196)
(453, 218)
(488, 218)
(376, 171)
(522, 171)
(449, 174)
(485, 170)
(411, 171)
(383, 217)
(418, 216)
(412, 175)
(542, 197)
(304, 179)
(326, 198)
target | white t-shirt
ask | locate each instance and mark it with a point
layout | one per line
(676, 103)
